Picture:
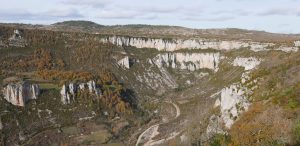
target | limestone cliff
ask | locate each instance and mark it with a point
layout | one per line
(234, 98)
(18, 94)
(287, 49)
(232, 103)
(176, 44)
(17, 40)
(124, 62)
(188, 61)
(69, 91)
(297, 43)
(247, 63)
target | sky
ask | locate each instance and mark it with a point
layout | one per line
(279, 16)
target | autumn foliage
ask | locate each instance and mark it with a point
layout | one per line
(112, 97)
(262, 126)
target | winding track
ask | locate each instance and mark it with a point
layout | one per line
(155, 127)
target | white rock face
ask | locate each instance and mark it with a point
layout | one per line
(287, 49)
(1, 125)
(16, 39)
(297, 43)
(248, 63)
(68, 92)
(18, 94)
(82, 86)
(176, 44)
(1, 44)
(124, 62)
(188, 61)
(16, 35)
(234, 99)
(72, 88)
(65, 96)
(92, 88)
(232, 103)
(214, 126)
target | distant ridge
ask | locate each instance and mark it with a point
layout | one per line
(161, 31)
(78, 23)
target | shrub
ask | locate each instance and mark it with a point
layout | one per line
(296, 133)
(220, 140)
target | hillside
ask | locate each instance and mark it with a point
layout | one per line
(81, 83)
(173, 31)
(160, 31)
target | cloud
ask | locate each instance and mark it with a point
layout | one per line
(53, 14)
(211, 19)
(113, 13)
(90, 3)
(298, 11)
(159, 9)
(237, 12)
(62, 13)
(149, 12)
(126, 15)
(14, 14)
(275, 11)
(149, 17)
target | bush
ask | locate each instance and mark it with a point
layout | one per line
(296, 133)
(287, 97)
(220, 140)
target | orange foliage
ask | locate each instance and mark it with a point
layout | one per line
(261, 126)
(64, 75)
(43, 59)
(111, 98)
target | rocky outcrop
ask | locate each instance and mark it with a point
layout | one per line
(176, 44)
(234, 99)
(232, 103)
(188, 61)
(297, 43)
(214, 126)
(1, 125)
(124, 62)
(287, 49)
(1, 44)
(18, 94)
(17, 40)
(65, 94)
(69, 91)
(247, 63)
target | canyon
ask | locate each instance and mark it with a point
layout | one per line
(139, 89)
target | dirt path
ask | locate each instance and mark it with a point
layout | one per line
(178, 112)
(152, 131)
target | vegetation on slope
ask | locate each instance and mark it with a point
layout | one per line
(273, 118)
(51, 59)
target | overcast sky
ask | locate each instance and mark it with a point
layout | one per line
(281, 16)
